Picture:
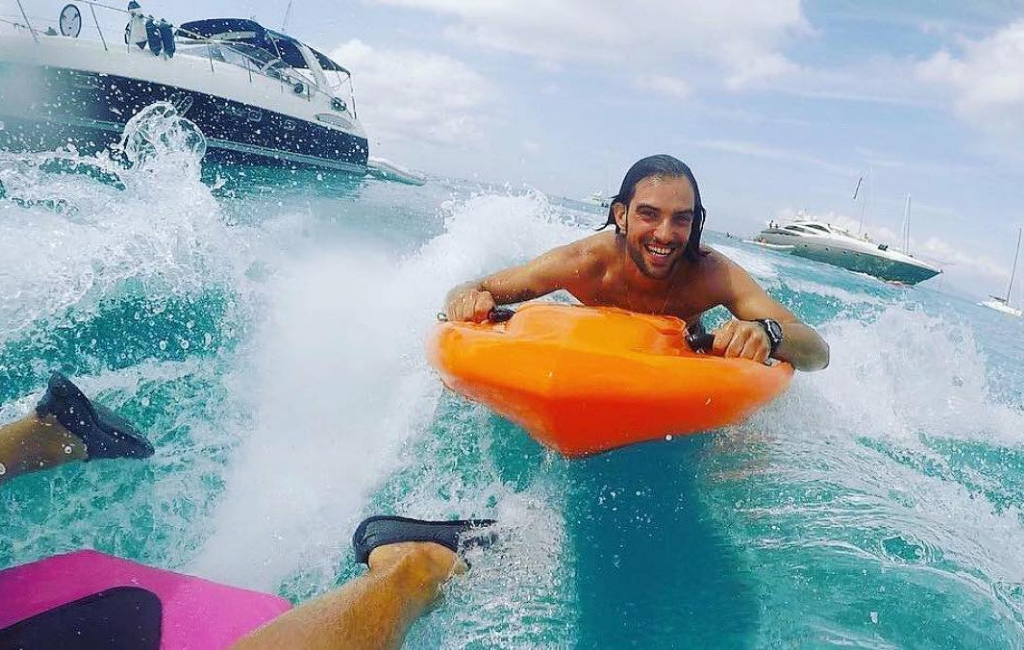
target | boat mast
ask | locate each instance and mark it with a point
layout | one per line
(856, 192)
(906, 227)
(287, 15)
(1014, 271)
(863, 185)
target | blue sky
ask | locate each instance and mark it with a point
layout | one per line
(778, 105)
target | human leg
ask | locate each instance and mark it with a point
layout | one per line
(35, 443)
(66, 426)
(375, 610)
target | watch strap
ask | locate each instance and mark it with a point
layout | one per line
(774, 339)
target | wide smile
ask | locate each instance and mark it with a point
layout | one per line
(659, 252)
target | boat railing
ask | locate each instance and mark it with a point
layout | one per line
(213, 48)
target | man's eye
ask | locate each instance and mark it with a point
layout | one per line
(683, 219)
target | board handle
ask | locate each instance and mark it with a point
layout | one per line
(496, 315)
(501, 314)
(700, 342)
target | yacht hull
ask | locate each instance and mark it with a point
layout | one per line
(866, 258)
(44, 106)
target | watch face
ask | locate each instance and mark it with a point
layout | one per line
(70, 21)
(773, 330)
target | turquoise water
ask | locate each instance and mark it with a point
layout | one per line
(267, 329)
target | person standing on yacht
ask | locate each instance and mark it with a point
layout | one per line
(135, 30)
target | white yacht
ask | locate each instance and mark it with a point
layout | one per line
(1003, 304)
(598, 199)
(824, 242)
(257, 95)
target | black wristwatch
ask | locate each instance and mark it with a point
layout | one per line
(774, 332)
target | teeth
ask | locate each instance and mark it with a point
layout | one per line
(659, 250)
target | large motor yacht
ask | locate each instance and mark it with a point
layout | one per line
(257, 95)
(824, 242)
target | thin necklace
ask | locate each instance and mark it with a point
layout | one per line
(668, 297)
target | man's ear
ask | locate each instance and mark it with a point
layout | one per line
(619, 212)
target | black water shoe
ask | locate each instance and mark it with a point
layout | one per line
(105, 433)
(384, 529)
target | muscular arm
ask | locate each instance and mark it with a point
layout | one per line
(560, 268)
(801, 345)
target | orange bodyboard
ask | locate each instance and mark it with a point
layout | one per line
(588, 379)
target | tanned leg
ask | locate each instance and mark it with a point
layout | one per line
(33, 443)
(372, 611)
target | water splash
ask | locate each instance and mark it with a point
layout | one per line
(874, 504)
(341, 383)
(158, 133)
(151, 228)
(880, 472)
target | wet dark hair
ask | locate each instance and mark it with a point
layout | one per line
(662, 166)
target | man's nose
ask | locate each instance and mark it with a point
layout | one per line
(664, 231)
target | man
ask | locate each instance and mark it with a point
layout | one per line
(654, 263)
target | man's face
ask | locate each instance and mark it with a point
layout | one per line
(657, 223)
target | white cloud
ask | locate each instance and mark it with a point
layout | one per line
(743, 38)
(792, 156)
(986, 81)
(410, 94)
(551, 89)
(531, 146)
(673, 87)
(945, 252)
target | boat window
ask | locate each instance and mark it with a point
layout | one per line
(817, 227)
(205, 51)
(239, 54)
(229, 55)
(335, 80)
(277, 70)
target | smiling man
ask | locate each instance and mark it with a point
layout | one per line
(654, 263)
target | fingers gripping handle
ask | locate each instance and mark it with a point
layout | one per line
(497, 315)
(700, 342)
(501, 314)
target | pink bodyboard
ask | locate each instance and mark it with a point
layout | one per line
(197, 613)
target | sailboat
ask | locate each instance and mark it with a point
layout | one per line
(1003, 304)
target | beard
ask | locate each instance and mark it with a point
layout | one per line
(638, 255)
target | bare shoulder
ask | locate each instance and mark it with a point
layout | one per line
(714, 266)
(720, 277)
(592, 254)
(712, 259)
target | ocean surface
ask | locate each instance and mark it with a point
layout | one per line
(266, 328)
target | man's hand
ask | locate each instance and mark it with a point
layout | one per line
(742, 339)
(470, 305)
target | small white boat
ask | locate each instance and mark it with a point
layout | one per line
(392, 171)
(598, 199)
(1003, 304)
(775, 247)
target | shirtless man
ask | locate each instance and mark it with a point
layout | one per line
(654, 263)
